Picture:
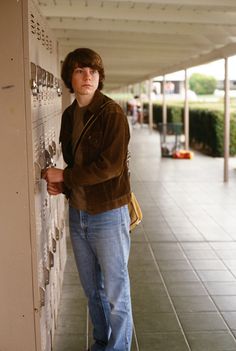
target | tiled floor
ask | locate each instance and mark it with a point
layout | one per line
(183, 257)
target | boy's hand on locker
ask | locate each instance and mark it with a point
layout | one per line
(53, 175)
(55, 188)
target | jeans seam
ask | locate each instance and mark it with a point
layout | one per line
(99, 296)
(125, 271)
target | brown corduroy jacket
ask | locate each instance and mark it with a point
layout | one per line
(96, 177)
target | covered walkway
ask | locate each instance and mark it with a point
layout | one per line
(183, 257)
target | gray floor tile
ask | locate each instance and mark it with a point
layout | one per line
(193, 304)
(70, 264)
(226, 253)
(76, 306)
(225, 303)
(195, 246)
(221, 288)
(71, 278)
(220, 235)
(71, 324)
(179, 276)
(151, 305)
(201, 264)
(149, 292)
(230, 318)
(185, 237)
(148, 265)
(162, 252)
(72, 342)
(174, 265)
(155, 322)
(162, 342)
(216, 276)
(72, 291)
(223, 246)
(230, 263)
(138, 258)
(144, 277)
(186, 289)
(137, 237)
(211, 341)
(202, 321)
(206, 254)
(187, 229)
(140, 251)
(160, 237)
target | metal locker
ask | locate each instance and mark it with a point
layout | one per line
(33, 234)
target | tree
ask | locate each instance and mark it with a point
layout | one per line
(202, 84)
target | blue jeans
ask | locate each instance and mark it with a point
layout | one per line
(101, 245)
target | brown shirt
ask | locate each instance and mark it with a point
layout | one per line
(97, 173)
(78, 125)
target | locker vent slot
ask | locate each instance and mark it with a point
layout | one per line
(32, 24)
(38, 31)
(43, 37)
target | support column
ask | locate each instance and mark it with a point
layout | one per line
(150, 105)
(141, 104)
(164, 107)
(186, 112)
(126, 99)
(226, 122)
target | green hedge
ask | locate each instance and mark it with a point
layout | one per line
(206, 131)
(206, 127)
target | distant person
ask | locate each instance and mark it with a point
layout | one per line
(135, 110)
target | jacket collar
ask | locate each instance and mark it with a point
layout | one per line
(96, 102)
(95, 105)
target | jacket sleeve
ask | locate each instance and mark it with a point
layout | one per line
(112, 158)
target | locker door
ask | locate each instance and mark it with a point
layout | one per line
(32, 241)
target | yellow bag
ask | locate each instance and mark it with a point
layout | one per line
(135, 212)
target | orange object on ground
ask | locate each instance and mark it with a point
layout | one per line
(182, 154)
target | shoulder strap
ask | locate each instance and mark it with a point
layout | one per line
(90, 122)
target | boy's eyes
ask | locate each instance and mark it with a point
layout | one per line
(81, 70)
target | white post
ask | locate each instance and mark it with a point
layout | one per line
(150, 105)
(141, 104)
(126, 99)
(164, 107)
(186, 112)
(226, 123)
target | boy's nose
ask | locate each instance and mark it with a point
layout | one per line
(87, 74)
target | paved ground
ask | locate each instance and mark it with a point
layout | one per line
(183, 257)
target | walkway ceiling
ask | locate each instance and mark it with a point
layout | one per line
(139, 39)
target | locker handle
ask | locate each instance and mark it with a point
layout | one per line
(57, 231)
(54, 147)
(42, 292)
(54, 245)
(48, 159)
(46, 275)
(37, 172)
(51, 259)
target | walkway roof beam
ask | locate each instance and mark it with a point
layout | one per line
(152, 37)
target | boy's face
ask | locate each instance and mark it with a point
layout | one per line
(85, 81)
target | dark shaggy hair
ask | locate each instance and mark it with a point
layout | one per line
(82, 57)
